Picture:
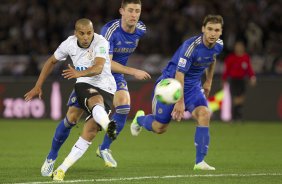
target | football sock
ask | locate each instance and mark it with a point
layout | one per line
(101, 117)
(202, 140)
(120, 117)
(61, 134)
(146, 121)
(77, 151)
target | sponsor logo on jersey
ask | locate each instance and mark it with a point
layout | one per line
(124, 50)
(182, 62)
(80, 68)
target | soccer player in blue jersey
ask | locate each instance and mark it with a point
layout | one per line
(193, 58)
(123, 35)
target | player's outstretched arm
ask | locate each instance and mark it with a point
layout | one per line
(138, 74)
(46, 70)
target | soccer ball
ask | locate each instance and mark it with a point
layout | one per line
(168, 91)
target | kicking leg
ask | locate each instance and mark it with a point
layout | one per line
(90, 130)
(61, 134)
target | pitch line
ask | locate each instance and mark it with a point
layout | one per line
(157, 177)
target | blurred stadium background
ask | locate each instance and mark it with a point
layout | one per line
(31, 30)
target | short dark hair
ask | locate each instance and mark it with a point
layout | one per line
(216, 19)
(126, 2)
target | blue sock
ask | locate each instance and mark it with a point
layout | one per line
(120, 117)
(146, 121)
(61, 134)
(202, 141)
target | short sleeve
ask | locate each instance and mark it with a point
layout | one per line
(61, 53)
(102, 49)
(184, 62)
(106, 33)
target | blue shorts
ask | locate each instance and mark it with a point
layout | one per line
(120, 82)
(192, 98)
(73, 100)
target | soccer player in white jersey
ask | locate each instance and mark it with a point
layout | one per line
(94, 86)
(133, 31)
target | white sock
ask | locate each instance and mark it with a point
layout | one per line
(77, 151)
(100, 116)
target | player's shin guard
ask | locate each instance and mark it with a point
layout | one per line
(202, 140)
(61, 134)
(100, 116)
(120, 117)
(76, 153)
(146, 121)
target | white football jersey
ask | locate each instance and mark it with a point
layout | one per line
(83, 58)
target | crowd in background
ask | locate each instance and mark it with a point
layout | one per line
(36, 27)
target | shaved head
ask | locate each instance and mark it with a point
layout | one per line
(84, 32)
(83, 22)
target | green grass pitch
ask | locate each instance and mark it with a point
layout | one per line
(242, 153)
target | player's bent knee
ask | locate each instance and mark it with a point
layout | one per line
(159, 128)
(202, 113)
(205, 114)
(73, 119)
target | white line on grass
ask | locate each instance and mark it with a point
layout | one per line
(158, 177)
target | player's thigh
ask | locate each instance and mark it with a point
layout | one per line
(89, 96)
(121, 97)
(194, 98)
(74, 114)
(94, 100)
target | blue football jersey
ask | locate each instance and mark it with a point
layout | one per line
(192, 58)
(122, 44)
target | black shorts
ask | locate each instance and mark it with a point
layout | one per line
(237, 87)
(85, 91)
